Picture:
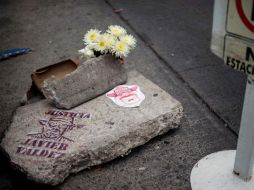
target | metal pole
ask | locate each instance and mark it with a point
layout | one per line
(245, 147)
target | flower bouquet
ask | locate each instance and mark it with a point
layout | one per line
(114, 41)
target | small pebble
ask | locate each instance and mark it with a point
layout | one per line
(156, 147)
(142, 168)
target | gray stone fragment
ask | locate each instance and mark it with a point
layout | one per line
(92, 78)
(49, 144)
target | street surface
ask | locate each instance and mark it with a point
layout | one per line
(173, 51)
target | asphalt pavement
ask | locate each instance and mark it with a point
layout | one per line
(173, 52)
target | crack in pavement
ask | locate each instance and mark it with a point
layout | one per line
(198, 67)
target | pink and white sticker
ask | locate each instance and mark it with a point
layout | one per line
(126, 96)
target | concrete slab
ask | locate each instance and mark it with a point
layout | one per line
(49, 144)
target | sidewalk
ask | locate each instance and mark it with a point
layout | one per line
(173, 52)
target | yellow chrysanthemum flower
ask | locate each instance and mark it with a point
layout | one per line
(129, 40)
(110, 40)
(91, 36)
(116, 30)
(100, 44)
(121, 49)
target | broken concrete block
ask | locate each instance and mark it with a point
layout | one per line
(91, 78)
(48, 144)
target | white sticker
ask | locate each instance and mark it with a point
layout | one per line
(126, 95)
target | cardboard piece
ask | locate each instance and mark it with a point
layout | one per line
(58, 70)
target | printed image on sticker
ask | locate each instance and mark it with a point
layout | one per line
(126, 95)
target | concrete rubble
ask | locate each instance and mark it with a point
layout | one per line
(48, 144)
(93, 77)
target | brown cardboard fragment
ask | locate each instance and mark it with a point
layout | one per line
(58, 70)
